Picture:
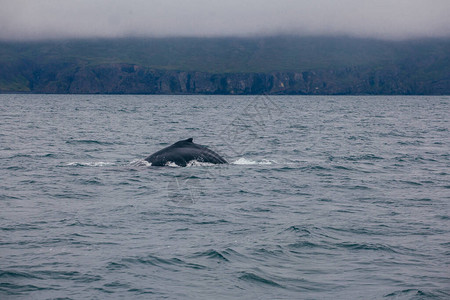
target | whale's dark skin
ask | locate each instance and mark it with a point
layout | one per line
(182, 152)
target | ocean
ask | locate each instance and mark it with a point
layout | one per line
(324, 197)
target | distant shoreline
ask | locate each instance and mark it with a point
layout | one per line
(233, 95)
(282, 65)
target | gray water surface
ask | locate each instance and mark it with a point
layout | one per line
(324, 198)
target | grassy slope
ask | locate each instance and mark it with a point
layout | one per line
(231, 55)
(219, 55)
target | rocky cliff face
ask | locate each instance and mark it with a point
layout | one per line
(271, 65)
(134, 79)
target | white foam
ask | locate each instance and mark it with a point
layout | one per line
(246, 161)
(199, 163)
(171, 164)
(90, 164)
(140, 163)
(192, 163)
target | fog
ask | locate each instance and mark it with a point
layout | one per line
(386, 19)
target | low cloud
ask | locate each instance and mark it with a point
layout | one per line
(388, 19)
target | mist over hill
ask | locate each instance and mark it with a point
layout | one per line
(272, 65)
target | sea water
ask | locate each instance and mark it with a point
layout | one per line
(323, 198)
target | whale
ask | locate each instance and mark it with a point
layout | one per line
(183, 152)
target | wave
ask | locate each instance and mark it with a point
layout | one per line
(73, 141)
(164, 263)
(246, 161)
(195, 163)
(17, 274)
(89, 164)
(251, 277)
(240, 161)
(192, 163)
(414, 293)
(366, 246)
(140, 163)
(212, 254)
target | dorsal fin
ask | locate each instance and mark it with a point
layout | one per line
(182, 142)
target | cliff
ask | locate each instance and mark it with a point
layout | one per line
(367, 67)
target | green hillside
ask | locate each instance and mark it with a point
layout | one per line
(420, 60)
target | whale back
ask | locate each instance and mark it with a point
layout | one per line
(183, 152)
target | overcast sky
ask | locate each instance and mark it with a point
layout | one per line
(391, 19)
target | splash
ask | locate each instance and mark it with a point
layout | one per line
(246, 161)
(171, 164)
(89, 164)
(194, 163)
(140, 163)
